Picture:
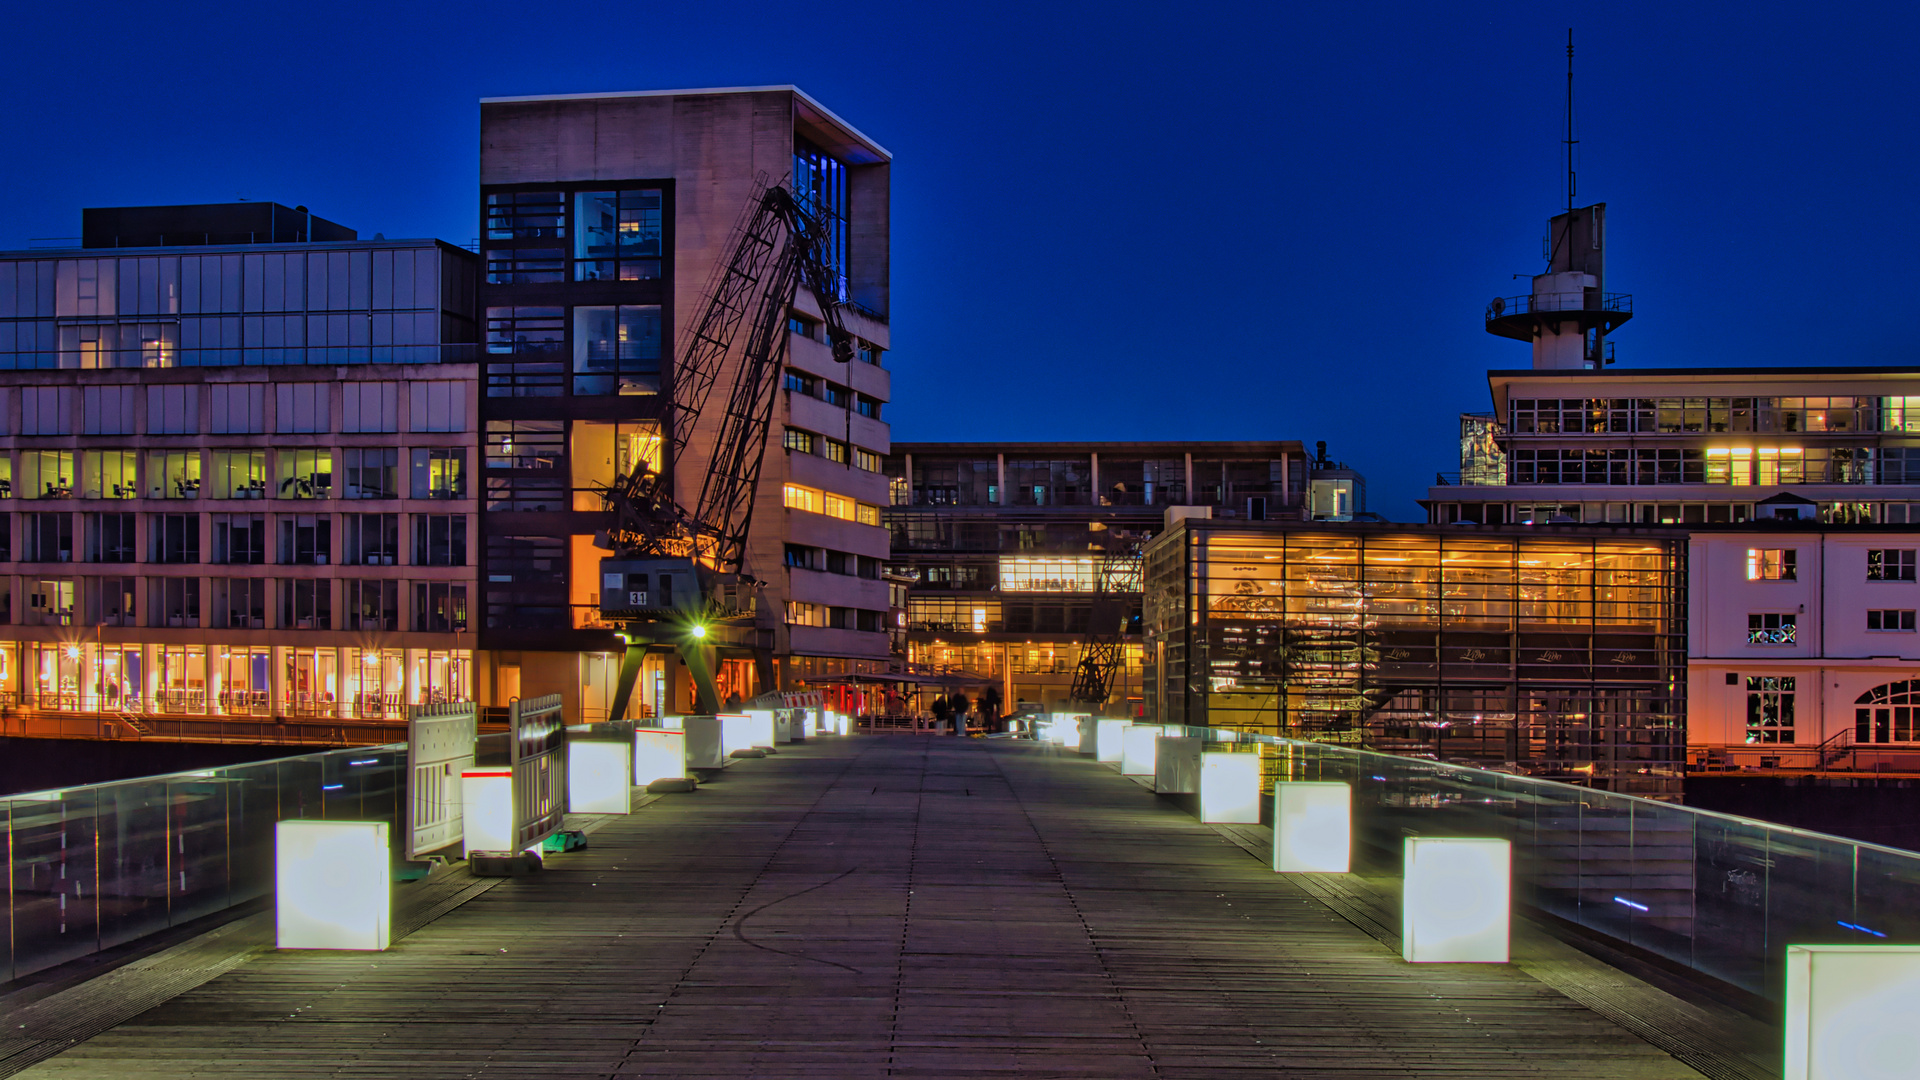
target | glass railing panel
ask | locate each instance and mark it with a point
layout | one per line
(1722, 895)
(135, 859)
(198, 841)
(55, 904)
(253, 806)
(1657, 901)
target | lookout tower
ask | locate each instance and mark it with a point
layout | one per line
(1569, 313)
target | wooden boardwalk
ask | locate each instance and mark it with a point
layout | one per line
(903, 906)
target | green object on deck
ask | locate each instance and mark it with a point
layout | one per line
(564, 841)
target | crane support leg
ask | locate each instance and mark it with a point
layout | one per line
(699, 660)
(629, 674)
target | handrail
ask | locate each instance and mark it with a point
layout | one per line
(1503, 306)
(1715, 892)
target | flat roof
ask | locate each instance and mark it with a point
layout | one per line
(1790, 371)
(808, 99)
(71, 250)
(1281, 446)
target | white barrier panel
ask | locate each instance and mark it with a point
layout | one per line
(706, 742)
(332, 885)
(807, 727)
(1454, 900)
(658, 755)
(736, 732)
(782, 728)
(1229, 788)
(1107, 739)
(760, 728)
(1176, 765)
(1136, 751)
(1312, 826)
(1851, 1011)
(599, 777)
(486, 801)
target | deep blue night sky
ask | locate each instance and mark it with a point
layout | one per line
(1112, 220)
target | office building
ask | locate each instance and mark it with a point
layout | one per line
(1557, 653)
(1804, 649)
(604, 219)
(1573, 439)
(1005, 544)
(234, 468)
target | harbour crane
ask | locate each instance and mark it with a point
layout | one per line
(678, 576)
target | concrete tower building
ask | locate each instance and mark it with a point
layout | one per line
(604, 218)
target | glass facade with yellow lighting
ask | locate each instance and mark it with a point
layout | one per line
(1557, 653)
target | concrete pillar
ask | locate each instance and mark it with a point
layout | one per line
(907, 460)
(1004, 501)
(1093, 479)
(277, 679)
(1189, 500)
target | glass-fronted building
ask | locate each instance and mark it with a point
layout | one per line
(1013, 550)
(234, 468)
(1557, 652)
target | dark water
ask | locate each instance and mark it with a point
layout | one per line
(39, 764)
(1880, 811)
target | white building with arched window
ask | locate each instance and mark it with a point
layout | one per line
(1803, 651)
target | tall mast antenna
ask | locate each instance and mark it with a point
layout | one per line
(1570, 139)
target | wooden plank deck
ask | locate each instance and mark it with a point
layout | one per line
(893, 906)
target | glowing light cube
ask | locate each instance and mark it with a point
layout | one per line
(1312, 826)
(1455, 900)
(1106, 739)
(671, 723)
(706, 744)
(1176, 765)
(486, 809)
(332, 885)
(736, 732)
(1066, 731)
(658, 755)
(599, 777)
(760, 728)
(1137, 749)
(1229, 788)
(782, 727)
(1850, 1012)
(807, 726)
(845, 722)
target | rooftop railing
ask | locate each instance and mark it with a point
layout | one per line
(101, 865)
(1563, 301)
(1718, 894)
(173, 356)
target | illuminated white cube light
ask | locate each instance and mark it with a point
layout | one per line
(1066, 731)
(1851, 1012)
(332, 885)
(486, 809)
(808, 729)
(1312, 825)
(1454, 904)
(845, 722)
(706, 744)
(1229, 788)
(1176, 765)
(736, 732)
(782, 727)
(1107, 739)
(1087, 736)
(761, 728)
(599, 777)
(1137, 748)
(671, 723)
(658, 755)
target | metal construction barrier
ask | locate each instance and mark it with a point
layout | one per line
(515, 794)
(1723, 895)
(101, 865)
(440, 746)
